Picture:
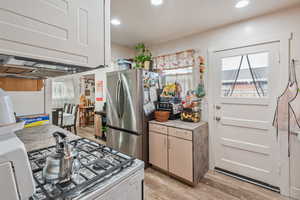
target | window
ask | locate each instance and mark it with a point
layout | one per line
(183, 76)
(245, 75)
(63, 92)
(178, 67)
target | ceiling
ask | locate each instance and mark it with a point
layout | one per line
(142, 22)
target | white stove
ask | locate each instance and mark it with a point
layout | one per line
(102, 172)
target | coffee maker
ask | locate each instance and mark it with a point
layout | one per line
(16, 179)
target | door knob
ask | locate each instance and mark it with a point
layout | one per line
(218, 107)
(218, 118)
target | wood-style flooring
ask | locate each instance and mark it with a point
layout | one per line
(214, 186)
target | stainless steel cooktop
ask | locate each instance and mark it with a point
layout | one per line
(98, 163)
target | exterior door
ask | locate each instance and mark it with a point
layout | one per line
(245, 91)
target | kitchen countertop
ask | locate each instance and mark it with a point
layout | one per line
(180, 124)
(41, 136)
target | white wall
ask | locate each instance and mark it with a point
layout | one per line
(27, 103)
(119, 51)
(278, 23)
(281, 22)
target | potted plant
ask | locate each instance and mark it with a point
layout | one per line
(143, 58)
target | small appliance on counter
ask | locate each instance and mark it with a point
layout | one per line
(172, 105)
(16, 176)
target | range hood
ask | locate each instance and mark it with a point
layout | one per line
(21, 67)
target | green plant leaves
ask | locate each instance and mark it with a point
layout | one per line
(143, 55)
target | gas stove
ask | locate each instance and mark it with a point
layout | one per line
(98, 163)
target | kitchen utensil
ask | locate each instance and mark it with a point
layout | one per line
(61, 163)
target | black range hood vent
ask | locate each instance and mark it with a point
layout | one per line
(22, 67)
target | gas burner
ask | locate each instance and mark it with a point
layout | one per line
(97, 164)
(100, 165)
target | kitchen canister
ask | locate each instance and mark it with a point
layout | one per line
(6, 109)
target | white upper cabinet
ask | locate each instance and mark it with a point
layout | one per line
(65, 31)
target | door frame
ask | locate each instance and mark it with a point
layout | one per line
(284, 55)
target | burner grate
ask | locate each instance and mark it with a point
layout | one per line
(98, 163)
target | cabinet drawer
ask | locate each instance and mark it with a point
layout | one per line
(180, 133)
(158, 128)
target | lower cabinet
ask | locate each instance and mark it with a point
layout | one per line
(158, 155)
(181, 158)
(171, 154)
(179, 149)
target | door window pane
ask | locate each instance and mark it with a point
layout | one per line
(245, 75)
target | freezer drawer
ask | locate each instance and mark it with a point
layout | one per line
(125, 142)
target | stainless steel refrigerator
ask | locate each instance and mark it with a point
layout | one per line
(127, 120)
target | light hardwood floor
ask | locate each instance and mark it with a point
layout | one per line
(214, 186)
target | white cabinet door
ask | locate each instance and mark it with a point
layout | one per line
(66, 31)
(135, 189)
(158, 150)
(8, 182)
(129, 189)
(181, 158)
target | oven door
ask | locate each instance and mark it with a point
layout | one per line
(8, 183)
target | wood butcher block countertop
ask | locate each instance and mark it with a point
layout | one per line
(41, 136)
(181, 124)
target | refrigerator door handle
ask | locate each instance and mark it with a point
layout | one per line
(123, 130)
(118, 98)
(122, 99)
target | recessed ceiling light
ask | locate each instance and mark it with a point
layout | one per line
(115, 22)
(242, 4)
(157, 2)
